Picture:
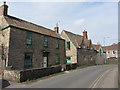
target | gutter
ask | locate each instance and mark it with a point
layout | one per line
(4, 27)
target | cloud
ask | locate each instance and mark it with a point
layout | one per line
(79, 22)
(61, 0)
(98, 18)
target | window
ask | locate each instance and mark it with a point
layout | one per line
(57, 43)
(67, 45)
(45, 41)
(114, 52)
(28, 60)
(68, 59)
(29, 38)
(57, 59)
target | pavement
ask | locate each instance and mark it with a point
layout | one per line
(109, 79)
(91, 77)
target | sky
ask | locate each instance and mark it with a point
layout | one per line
(100, 19)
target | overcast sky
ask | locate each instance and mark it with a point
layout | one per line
(100, 19)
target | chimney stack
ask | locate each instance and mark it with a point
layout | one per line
(3, 9)
(56, 28)
(85, 34)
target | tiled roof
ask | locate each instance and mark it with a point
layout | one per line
(111, 47)
(16, 22)
(79, 41)
(88, 43)
(97, 47)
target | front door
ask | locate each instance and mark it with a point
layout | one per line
(45, 60)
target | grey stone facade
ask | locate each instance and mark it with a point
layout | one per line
(13, 39)
(18, 48)
(86, 57)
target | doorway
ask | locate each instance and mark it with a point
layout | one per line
(45, 60)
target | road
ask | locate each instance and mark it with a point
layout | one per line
(91, 77)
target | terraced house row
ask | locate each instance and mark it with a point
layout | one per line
(31, 51)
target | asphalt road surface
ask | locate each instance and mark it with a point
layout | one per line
(91, 77)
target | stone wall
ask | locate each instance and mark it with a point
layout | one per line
(72, 52)
(100, 59)
(86, 57)
(4, 48)
(112, 61)
(18, 48)
(30, 74)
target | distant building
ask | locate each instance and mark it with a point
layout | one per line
(101, 54)
(79, 48)
(111, 51)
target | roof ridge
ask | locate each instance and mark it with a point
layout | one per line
(29, 22)
(73, 33)
(20, 23)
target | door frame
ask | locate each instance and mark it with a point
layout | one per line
(45, 54)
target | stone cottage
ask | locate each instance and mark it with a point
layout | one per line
(24, 45)
(79, 48)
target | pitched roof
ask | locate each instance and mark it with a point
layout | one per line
(97, 47)
(87, 42)
(111, 47)
(77, 39)
(16, 22)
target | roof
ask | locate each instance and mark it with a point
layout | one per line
(16, 22)
(75, 38)
(97, 47)
(111, 47)
(79, 41)
(87, 42)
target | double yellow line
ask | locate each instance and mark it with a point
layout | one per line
(94, 84)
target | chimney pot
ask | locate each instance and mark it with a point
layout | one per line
(85, 34)
(3, 9)
(56, 28)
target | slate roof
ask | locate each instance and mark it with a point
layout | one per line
(77, 39)
(16, 22)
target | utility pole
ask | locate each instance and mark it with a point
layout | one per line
(104, 40)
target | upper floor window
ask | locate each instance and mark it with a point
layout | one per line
(67, 45)
(57, 43)
(29, 38)
(45, 41)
